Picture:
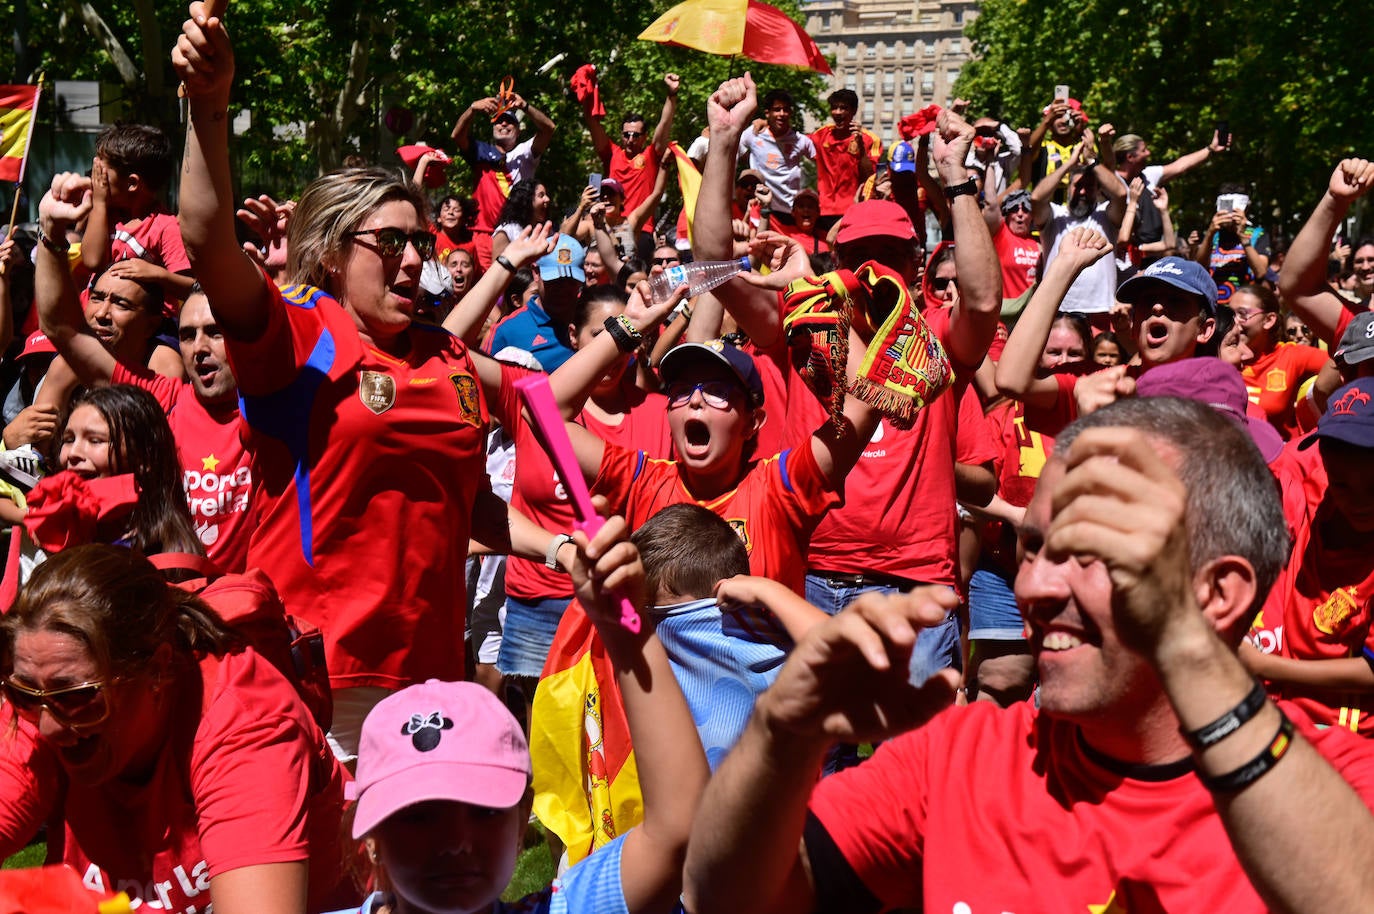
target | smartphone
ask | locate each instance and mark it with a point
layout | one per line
(594, 182)
(1061, 93)
(1224, 133)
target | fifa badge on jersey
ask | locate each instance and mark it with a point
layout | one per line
(1331, 615)
(741, 528)
(469, 400)
(377, 391)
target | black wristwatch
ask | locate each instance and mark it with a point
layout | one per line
(968, 188)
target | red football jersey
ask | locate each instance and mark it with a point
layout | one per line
(365, 471)
(774, 507)
(636, 175)
(987, 810)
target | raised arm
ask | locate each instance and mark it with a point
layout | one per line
(233, 283)
(672, 766)
(466, 318)
(640, 213)
(1191, 160)
(543, 126)
(1017, 375)
(95, 239)
(663, 133)
(575, 379)
(1042, 195)
(462, 130)
(974, 321)
(54, 293)
(601, 142)
(1302, 282)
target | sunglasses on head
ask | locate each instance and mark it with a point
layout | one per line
(391, 242)
(82, 705)
(716, 394)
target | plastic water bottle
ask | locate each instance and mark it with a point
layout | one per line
(698, 276)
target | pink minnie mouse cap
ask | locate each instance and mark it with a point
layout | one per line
(438, 741)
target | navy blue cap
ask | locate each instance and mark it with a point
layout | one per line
(741, 365)
(1349, 416)
(1188, 275)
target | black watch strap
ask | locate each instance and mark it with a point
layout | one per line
(969, 188)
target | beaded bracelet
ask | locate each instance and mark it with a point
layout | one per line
(1229, 722)
(1258, 766)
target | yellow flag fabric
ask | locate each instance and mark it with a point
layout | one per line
(713, 26)
(586, 785)
(16, 126)
(689, 182)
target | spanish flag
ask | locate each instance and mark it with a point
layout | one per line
(586, 786)
(688, 181)
(17, 104)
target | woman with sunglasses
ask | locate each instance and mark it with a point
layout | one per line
(367, 430)
(182, 767)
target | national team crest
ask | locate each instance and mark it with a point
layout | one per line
(741, 528)
(1276, 380)
(469, 400)
(1332, 615)
(377, 391)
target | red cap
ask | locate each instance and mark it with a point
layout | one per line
(874, 218)
(37, 344)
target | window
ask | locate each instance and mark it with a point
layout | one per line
(870, 53)
(889, 83)
(951, 76)
(911, 49)
(928, 49)
(927, 82)
(851, 52)
(869, 82)
(909, 82)
(868, 111)
(927, 18)
(890, 51)
(956, 46)
(851, 82)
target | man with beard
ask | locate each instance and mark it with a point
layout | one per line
(203, 412)
(1097, 201)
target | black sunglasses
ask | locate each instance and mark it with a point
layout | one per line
(940, 283)
(391, 242)
(631, 134)
(82, 705)
(667, 260)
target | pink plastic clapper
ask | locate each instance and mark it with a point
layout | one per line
(548, 426)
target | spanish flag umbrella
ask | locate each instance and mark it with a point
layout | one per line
(744, 27)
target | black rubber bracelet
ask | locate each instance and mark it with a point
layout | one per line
(1257, 767)
(1229, 722)
(501, 260)
(625, 336)
(969, 187)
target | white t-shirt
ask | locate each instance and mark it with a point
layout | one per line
(1094, 292)
(779, 161)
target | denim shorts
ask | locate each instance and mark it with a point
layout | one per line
(992, 611)
(527, 634)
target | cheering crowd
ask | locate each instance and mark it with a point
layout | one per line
(976, 541)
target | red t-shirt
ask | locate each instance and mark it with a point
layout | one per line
(988, 810)
(245, 778)
(1324, 598)
(539, 494)
(810, 242)
(898, 517)
(365, 470)
(1272, 381)
(1019, 258)
(216, 468)
(837, 165)
(776, 435)
(636, 175)
(156, 239)
(774, 507)
(445, 244)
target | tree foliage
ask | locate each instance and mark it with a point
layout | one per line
(1285, 74)
(320, 76)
